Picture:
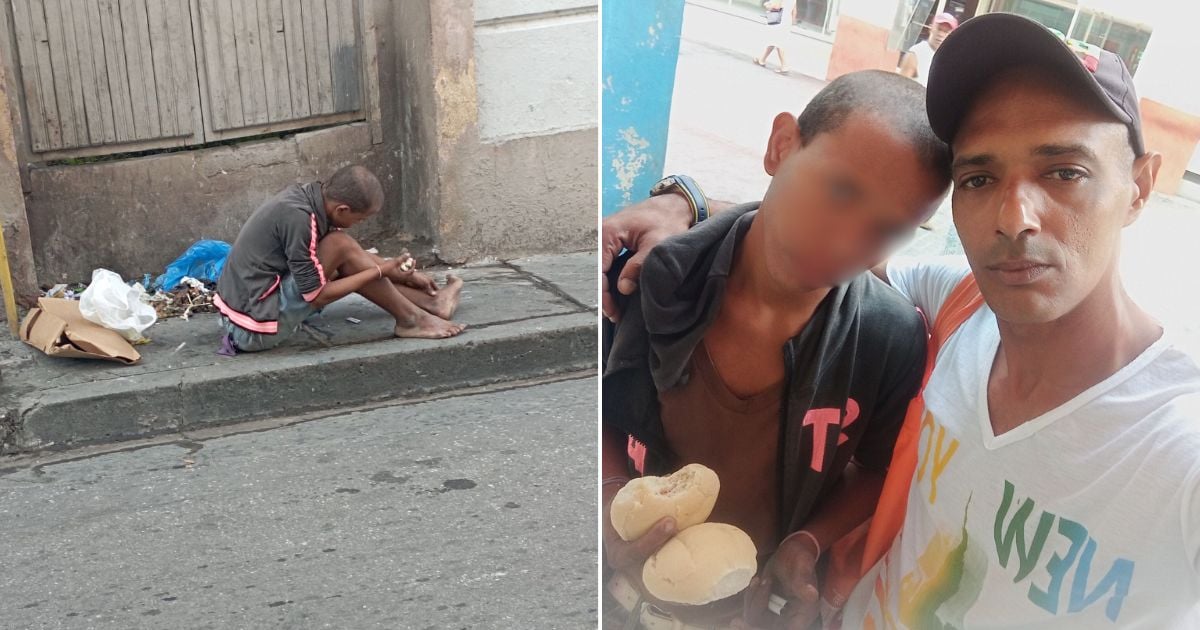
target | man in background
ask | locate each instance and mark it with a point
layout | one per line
(915, 64)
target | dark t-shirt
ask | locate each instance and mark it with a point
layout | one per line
(738, 438)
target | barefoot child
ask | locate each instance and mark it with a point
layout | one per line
(293, 258)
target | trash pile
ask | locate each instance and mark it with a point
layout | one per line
(110, 302)
(67, 291)
(185, 289)
(191, 297)
(106, 318)
(187, 286)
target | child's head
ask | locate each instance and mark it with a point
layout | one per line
(352, 195)
(857, 172)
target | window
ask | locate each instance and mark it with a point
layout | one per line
(110, 76)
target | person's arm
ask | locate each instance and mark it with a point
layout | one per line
(791, 573)
(908, 65)
(299, 235)
(850, 503)
(300, 246)
(926, 281)
(621, 555)
(340, 288)
(639, 228)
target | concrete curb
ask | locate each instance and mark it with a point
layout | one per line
(148, 404)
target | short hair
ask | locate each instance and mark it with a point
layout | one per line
(896, 99)
(356, 187)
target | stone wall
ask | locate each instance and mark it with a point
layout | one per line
(488, 150)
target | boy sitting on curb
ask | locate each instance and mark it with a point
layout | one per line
(293, 257)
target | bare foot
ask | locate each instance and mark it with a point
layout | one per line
(427, 326)
(421, 282)
(446, 302)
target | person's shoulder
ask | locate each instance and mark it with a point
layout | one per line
(287, 198)
(1178, 368)
(1180, 393)
(1169, 390)
(881, 303)
(1174, 428)
(888, 322)
(713, 228)
(680, 256)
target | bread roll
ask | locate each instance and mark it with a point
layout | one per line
(702, 564)
(688, 495)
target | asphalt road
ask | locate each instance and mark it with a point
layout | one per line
(471, 511)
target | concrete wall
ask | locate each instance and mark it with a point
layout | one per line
(1167, 65)
(488, 151)
(535, 72)
(134, 216)
(641, 50)
(861, 40)
(412, 117)
(515, 176)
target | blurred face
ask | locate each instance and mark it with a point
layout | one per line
(938, 34)
(1043, 185)
(837, 205)
(344, 217)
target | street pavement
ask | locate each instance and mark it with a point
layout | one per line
(474, 510)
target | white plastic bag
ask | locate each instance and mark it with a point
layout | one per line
(110, 302)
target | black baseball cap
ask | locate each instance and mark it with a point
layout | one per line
(983, 47)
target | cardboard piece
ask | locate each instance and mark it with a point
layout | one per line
(57, 328)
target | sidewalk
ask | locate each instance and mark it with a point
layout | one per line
(709, 23)
(723, 105)
(528, 318)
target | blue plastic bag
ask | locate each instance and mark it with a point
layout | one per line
(203, 261)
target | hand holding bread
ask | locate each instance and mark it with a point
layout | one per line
(628, 556)
(704, 562)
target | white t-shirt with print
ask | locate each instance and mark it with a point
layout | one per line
(1085, 517)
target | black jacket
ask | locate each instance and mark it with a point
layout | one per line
(865, 343)
(279, 239)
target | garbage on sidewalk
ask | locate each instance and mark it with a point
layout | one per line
(57, 328)
(111, 303)
(68, 291)
(192, 296)
(203, 261)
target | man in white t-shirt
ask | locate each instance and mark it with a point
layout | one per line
(1057, 481)
(915, 64)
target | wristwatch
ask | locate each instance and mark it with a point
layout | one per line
(689, 189)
